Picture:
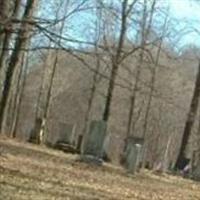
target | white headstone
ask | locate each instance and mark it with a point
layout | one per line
(133, 157)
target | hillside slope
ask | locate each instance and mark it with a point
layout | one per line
(31, 172)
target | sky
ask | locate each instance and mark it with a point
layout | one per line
(188, 14)
(187, 11)
(186, 8)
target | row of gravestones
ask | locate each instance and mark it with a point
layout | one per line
(93, 147)
(96, 142)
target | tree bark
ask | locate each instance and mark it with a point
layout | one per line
(115, 61)
(8, 34)
(138, 71)
(14, 60)
(152, 88)
(41, 132)
(189, 122)
(19, 95)
(4, 15)
(96, 73)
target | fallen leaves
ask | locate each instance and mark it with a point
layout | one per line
(37, 173)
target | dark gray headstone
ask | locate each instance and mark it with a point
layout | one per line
(91, 160)
(94, 141)
(66, 133)
(135, 140)
(35, 132)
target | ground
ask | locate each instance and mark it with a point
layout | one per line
(30, 172)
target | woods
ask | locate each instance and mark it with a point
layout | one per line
(109, 70)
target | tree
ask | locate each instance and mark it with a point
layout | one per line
(143, 36)
(189, 122)
(17, 99)
(152, 88)
(8, 29)
(116, 57)
(20, 43)
(96, 72)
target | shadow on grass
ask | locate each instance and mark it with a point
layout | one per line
(58, 189)
(40, 155)
(33, 153)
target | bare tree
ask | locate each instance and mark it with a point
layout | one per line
(96, 72)
(138, 70)
(8, 31)
(152, 88)
(45, 96)
(189, 122)
(5, 5)
(20, 43)
(40, 128)
(116, 57)
(17, 99)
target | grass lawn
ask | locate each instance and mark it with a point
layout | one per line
(30, 172)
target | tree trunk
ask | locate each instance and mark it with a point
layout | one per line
(41, 129)
(92, 95)
(115, 62)
(14, 60)
(152, 87)
(138, 71)
(189, 122)
(7, 34)
(4, 15)
(95, 75)
(19, 95)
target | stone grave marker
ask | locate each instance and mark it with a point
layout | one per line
(34, 134)
(196, 173)
(196, 165)
(66, 133)
(133, 158)
(106, 146)
(133, 154)
(93, 144)
(64, 138)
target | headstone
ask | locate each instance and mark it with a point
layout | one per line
(42, 136)
(66, 133)
(196, 173)
(35, 132)
(195, 159)
(133, 140)
(171, 166)
(131, 157)
(133, 154)
(130, 141)
(106, 146)
(184, 162)
(64, 138)
(196, 165)
(79, 143)
(94, 140)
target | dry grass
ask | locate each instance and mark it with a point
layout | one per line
(29, 172)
